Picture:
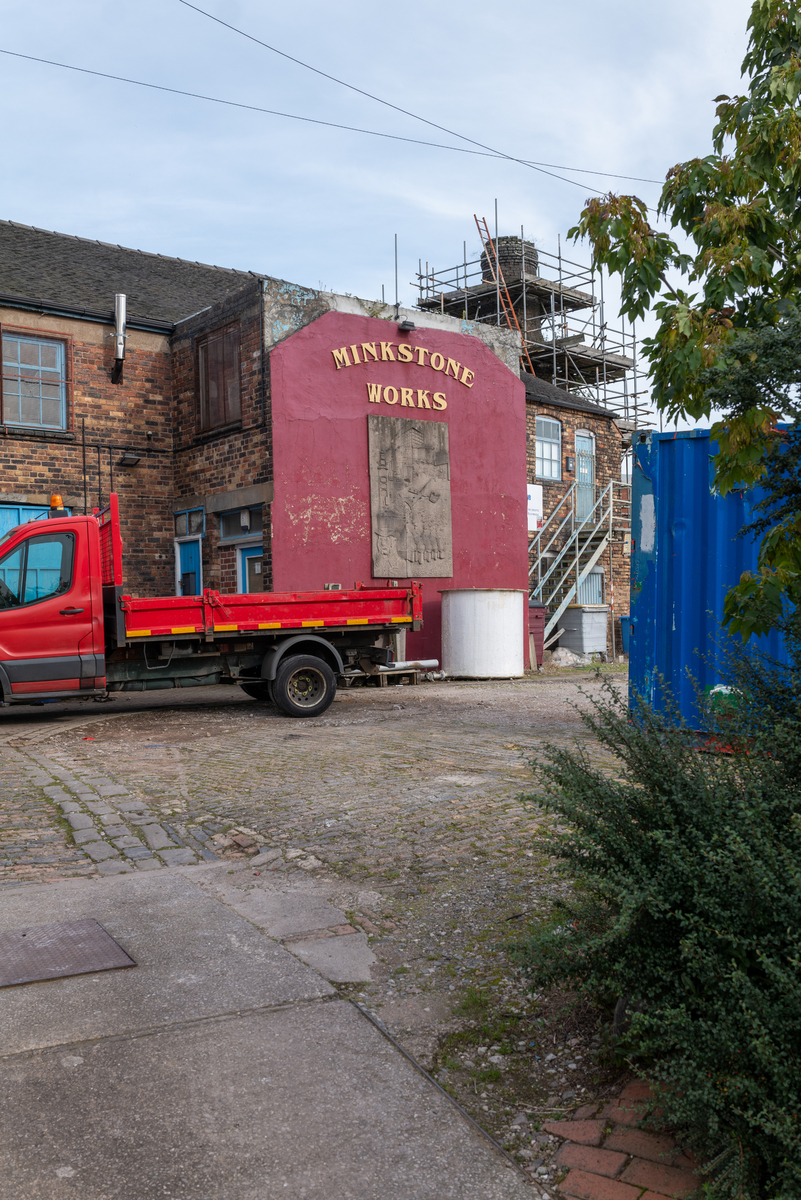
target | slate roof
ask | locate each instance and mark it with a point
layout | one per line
(546, 393)
(81, 275)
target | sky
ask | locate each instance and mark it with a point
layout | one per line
(624, 87)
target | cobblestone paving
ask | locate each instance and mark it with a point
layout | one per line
(399, 789)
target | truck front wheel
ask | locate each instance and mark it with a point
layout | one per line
(304, 686)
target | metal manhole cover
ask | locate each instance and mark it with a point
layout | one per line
(53, 951)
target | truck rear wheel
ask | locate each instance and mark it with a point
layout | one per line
(304, 686)
(259, 691)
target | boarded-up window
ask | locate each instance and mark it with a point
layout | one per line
(218, 372)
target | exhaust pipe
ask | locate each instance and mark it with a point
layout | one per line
(424, 664)
(119, 335)
(120, 315)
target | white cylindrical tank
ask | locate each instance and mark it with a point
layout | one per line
(482, 632)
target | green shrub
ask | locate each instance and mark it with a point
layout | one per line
(687, 900)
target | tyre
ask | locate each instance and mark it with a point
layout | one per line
(259, 691)
(304, 686)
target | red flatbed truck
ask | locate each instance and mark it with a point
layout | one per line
(68, 631)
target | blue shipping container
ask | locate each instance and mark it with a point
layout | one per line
(686, 555)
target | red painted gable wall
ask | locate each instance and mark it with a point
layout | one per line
(321, 513)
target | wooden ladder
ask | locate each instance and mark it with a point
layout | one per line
(491, 251)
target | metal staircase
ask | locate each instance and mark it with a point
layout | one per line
(572, 541)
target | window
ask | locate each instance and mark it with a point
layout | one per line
(190, 524)
(626, 465)
(218, 377)
(34, 382)
(549, 449)
(245, 522)
(41, 567)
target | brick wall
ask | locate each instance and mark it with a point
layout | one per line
(226, 557)
(154, 410)
(133, 414)
(238, 456)
(608, 455)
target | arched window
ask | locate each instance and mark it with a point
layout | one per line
(549, 448)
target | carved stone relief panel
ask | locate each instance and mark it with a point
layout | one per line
(410, 498)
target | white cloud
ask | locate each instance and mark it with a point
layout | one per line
(623, 87)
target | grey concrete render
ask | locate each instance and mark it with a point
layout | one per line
(281, 913)
(220, 1067)
(344, 959)
(195, 959)
(313, 929)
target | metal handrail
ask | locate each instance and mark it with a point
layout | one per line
(569, 516)
(571, 544)
(577, 529)
(582, 549)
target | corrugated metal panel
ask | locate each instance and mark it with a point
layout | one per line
(685, 556)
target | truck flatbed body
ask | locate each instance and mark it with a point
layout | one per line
(213, 614)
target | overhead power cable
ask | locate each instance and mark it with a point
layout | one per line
(395, 137)
(537, 166)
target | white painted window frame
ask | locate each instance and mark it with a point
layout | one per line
(252, 543)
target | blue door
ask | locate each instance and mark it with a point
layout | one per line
(189, 579)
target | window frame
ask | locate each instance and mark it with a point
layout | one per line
(64, 342)
(67, 538)
(538, 440)
(231, 539)
(204, 417)
(185, 512)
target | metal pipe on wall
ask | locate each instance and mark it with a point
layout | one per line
(83, 440)
(120, 316)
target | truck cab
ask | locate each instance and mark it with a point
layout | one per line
(51, 610)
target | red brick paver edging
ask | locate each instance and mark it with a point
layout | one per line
(607, 1159)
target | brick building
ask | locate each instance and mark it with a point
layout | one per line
(236, 437)
(574, 461)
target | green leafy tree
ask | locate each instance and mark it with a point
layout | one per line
(732, 299)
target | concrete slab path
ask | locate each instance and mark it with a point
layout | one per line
(219, 1068)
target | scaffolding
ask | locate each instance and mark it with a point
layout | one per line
(558, 307)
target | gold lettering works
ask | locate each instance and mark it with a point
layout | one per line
(419, 356)
(376, 392)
